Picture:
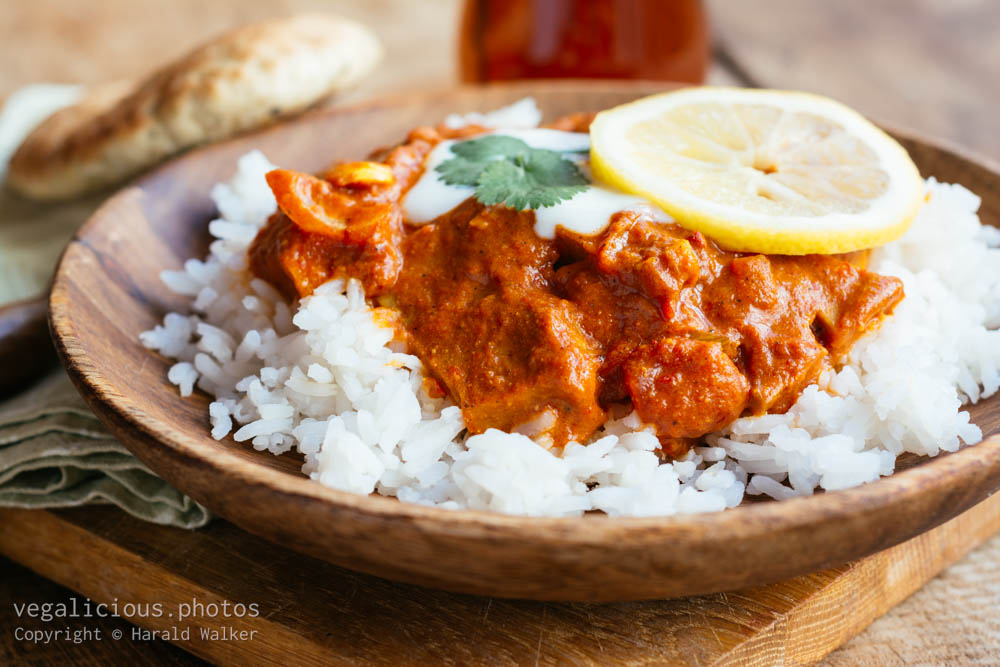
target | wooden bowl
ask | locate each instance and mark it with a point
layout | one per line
(107, 291)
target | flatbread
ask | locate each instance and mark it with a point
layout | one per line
(240, 80)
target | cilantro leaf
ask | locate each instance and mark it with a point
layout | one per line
(472, 156)
(506, 170)
(460, 171)
(490, 146)
(537, 182)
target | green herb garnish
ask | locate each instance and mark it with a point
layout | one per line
(505, 170)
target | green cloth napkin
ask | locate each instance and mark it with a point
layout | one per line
(55, 453)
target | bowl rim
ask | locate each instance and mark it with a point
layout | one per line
(743, 522)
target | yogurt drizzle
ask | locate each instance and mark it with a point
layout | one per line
(586, 213)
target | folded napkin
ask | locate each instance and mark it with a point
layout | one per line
(53, 451)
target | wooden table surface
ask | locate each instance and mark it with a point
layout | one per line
(924, 65)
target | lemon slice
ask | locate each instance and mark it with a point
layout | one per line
(764, 171)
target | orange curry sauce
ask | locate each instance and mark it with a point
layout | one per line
(550, 336)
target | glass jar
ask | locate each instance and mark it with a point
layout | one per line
(602, 39)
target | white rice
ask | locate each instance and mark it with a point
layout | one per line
(327, 381)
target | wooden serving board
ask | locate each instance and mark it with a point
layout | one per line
(311, 612)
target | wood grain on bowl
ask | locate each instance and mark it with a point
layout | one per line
(107, 291)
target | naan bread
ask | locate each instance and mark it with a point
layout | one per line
(240, 80)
